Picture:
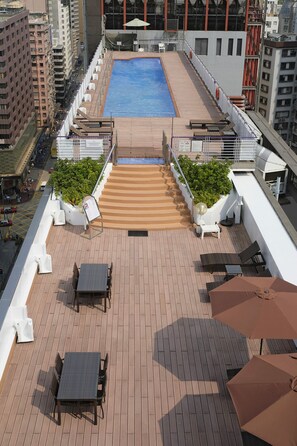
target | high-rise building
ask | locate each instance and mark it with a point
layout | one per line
(278, 84)
(63, 20)
(16, 95)
(288, 17)
(17, 112)
(42, 69)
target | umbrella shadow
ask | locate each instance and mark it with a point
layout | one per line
(194, 422)
(198, 420)
(194, 349)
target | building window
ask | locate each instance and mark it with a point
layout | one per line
(285, 90)
(264, 88)
(263, 100)
(281, 126)
(283, 103)
(230, 47)
(219, 47)
(201, 47)
(266, 63)
(288, 53)
(265, 76)
(286, 78)
(287, 66)
(267, 51)
(239, 47)
(262, 111)
(281, 114)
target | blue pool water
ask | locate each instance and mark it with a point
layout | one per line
(140, 161)
(138, 88)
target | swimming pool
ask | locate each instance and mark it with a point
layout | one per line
(138, 88)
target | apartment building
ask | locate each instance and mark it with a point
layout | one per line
(64, 27)
(17, 112)
(74, 22)
(288, 17)
(271, 24)
(42, 69)
(16, 96)
(278, 85)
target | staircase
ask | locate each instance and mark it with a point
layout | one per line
(143, 197)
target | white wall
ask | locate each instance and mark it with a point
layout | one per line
(227, 70)
(263, 225)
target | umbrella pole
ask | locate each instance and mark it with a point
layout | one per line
(261, 346)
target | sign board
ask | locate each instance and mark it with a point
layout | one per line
(197, 146)
(95, 143)
(91, 208)
(184, 145)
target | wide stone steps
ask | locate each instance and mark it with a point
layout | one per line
(144, 198)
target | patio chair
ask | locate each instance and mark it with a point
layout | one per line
(75, 270)
(103, 370)
(110, 268)
(161, 46)
(109, 286)
(58, 365)
(54, 391)
(101, 395)
(248, 257)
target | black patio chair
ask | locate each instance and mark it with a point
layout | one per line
(58, 365)
(103, 369)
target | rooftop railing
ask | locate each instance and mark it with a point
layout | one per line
(205, 148)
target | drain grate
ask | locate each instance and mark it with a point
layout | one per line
(137, 233)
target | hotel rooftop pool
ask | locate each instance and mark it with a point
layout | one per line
(138, 88)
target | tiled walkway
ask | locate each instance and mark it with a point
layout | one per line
(168, 358)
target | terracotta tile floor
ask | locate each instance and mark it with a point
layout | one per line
(168, 358)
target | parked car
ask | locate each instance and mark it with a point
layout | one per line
(8, 210)
(5, 223)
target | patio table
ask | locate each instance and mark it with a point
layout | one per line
(92, 281)
(79, 380)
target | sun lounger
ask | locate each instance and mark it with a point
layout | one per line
(203, 123)
(248, 257)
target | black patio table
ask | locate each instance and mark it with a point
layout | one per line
(92, 281)
(79, 380)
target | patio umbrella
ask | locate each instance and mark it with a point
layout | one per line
(258, 307)
(264, 394)
(136, 23)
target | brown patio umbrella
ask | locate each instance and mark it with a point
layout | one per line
(264, 394)
(258, 307)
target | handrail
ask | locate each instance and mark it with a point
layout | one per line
(104, 167)
(181, 172)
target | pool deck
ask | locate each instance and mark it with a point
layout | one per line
(191, 99)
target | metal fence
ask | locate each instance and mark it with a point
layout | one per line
(222, 148)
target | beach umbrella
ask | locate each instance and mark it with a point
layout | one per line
(136, 23)
(264, 394)
(257, 307)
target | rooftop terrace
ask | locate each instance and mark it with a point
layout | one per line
(168, 358)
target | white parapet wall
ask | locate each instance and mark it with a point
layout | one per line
(18, 287)
(263, 224)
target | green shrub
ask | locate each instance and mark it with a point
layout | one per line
(207, 181)
(75, 180)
